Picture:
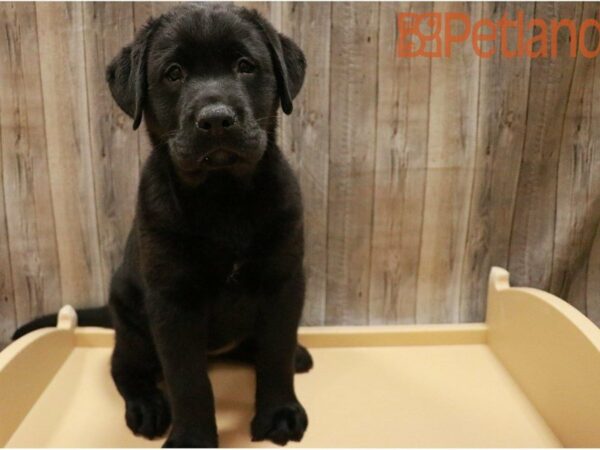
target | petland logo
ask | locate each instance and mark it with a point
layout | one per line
(433, 35)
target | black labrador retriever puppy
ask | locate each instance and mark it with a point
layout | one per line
(214, 259)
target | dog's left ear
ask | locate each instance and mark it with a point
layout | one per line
(126, 74)
(288, 61)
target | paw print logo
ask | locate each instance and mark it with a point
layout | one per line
(419, 34)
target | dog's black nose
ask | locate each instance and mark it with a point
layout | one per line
(215, 119)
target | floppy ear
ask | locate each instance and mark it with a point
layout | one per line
(288, 61)
(126, 74)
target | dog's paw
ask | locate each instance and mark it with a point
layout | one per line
(191, 442)
(280, 425)
(302, 360)
(148, 416)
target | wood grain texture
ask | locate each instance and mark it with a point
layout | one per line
(8, 313)
(418, 174)
(578, 185)
(29, 212)
(450, 160)
(400, 173)
(532, 241)
(66, 112)
(592, 297)
(8, 316)
(502, 110)
(306, 143)
(114, 148)
(353, 109)
(272, 11)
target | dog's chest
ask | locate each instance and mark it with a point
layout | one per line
(222, 257)
(226, 237)
(224, 244)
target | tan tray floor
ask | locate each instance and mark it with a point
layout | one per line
(406, 386)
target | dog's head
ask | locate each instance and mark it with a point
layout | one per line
(208, 79)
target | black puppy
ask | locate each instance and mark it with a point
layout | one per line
(214, 257)
(215, 254)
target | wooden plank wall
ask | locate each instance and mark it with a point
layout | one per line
(418, 174)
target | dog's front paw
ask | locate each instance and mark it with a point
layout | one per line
(148, 416)
(280, 425)
(184, 441)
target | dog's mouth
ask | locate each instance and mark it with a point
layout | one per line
(195, 158)
(219, 159)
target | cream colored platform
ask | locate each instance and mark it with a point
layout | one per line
(528, 377)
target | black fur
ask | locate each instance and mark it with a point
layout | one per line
(214, 256)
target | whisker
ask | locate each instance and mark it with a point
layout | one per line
(266, 118)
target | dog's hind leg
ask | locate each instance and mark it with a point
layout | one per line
(303, 361)
(135, 367)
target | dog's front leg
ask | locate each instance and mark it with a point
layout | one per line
(180, 333)
(279, 415)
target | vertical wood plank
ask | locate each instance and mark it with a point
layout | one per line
(159, 8)
(503, 88)
(8, 314)
(400, 171)
(306, 142)
(62, 61)
(532, 240)
(142, 11)
(272, 11)
(114, 145)
(593, 273)
(353, 97)
(578, 188)
(29, 213)
(450, 159)
(276, 13)
(262, 7)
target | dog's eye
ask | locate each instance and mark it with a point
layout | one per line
(174, 73)
(244, 65)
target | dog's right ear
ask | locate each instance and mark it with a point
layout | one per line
(288, 59)
(126, 74)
